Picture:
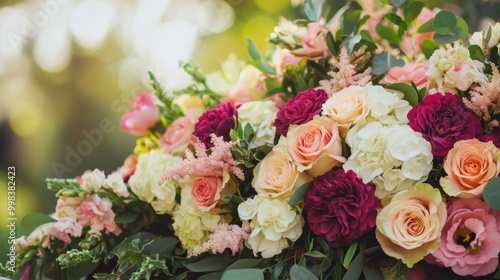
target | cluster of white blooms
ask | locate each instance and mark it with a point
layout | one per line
(115, 182)
(191, 225)
(394, 156)
(451, 69)
(145, 181)
(274, 223)
(260, 115)
(477, 37)
(386, 107)
(92, 181)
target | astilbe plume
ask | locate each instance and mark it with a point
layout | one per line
(485, 99)
(219, 159)
(222, 237)
(347, 68)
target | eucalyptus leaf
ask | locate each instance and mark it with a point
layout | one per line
(397, 3)
(351, 42)
(210, 264)
(381, 63)
(36, 219)
(491, 193)
(245, 273)
(313, 9)
(211, 276)
(299, 272)
(299, 194)
(245, 263)
(410, 94)
(445, 22)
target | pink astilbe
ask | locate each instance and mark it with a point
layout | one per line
(219, 159)
(346, 72)
(485, 99)
(222, 237)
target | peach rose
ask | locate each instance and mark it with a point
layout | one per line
(178, 134)
(409, 227)
(315, 147)
(470, 164)
(411, 72)
(276, 176)
(346, 107)
(207, 190)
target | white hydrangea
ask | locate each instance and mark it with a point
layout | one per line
(145, 181)
(190, 224)
(260, 115)
(393, 157)
(274, 224)
(386, 107)
(451, 69)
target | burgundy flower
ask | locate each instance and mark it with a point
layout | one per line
(218, 120)
(340, 207)
(443, 120)
(493, 136)
(300, 109)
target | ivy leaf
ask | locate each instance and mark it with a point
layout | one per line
(491, 193)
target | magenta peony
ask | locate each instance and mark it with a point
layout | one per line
(470, 239)
(340, 207)
(443, 120)
(300, 109)
(219, 120)
(493, 136)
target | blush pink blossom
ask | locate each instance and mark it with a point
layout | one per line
(144, 116)
(470, 239)
(63, 228)
(96, 212)
(411, 72)
(314, 41)
(207, 190)
(178, 134)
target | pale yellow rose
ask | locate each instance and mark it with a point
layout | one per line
(347, 107)
(189, 102)
(470, 164)
(276, 176)
(315, 147)
(409, 227)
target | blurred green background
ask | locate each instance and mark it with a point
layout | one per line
(68, 65)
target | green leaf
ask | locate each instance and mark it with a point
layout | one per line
(445, 22)
(463, 29)
(393, 18)
(299, 194)
(356, 267)
(210, 263)
(412, 11)
(422, 93)
(163, 246)
(211, 276)
(428, 47)
(299, 272)
(36, 219)
(351, 42)
(244, 263)
(82, 269)
(315, 254)
(381, 63)
(252, 50)
(350, 254)
(263, 66)
(245, 273)
(388, 33)
(491, 193)
(351, 18)
(372, 273)
(427, 27)
(126, 217)
(476, 53)
(313, 9)
(330, 42)
(410, 94)
(397, 3)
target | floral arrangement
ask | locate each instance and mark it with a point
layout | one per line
(365, 145)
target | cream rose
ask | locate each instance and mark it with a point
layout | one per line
(315, 147)
(276, 176)
(470, 164)
(409, 227)
(347, 107)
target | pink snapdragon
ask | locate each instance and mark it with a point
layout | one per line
(96, 212)
(63, 228)
(144, 115)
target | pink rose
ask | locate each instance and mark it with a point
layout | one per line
(470, 240)
(178, 134)
(314, 42)
(411, 72)
(470, 164)
(144, 116)
(207, 190)
(315, 147)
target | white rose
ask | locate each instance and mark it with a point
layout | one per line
(115, 183)
(145, 181)
(495, 35)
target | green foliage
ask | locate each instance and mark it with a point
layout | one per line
(410, 93)
(36, 219)
(299, 194)
(491, 193)
(313, 9)
(381, 63)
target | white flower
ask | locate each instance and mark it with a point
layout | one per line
(114, 182)
(145, 181)
(93, 181)
(387, 107)
(477, 38)
(393, 157)
(260, 115)
(495, 35)
(273, 226)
